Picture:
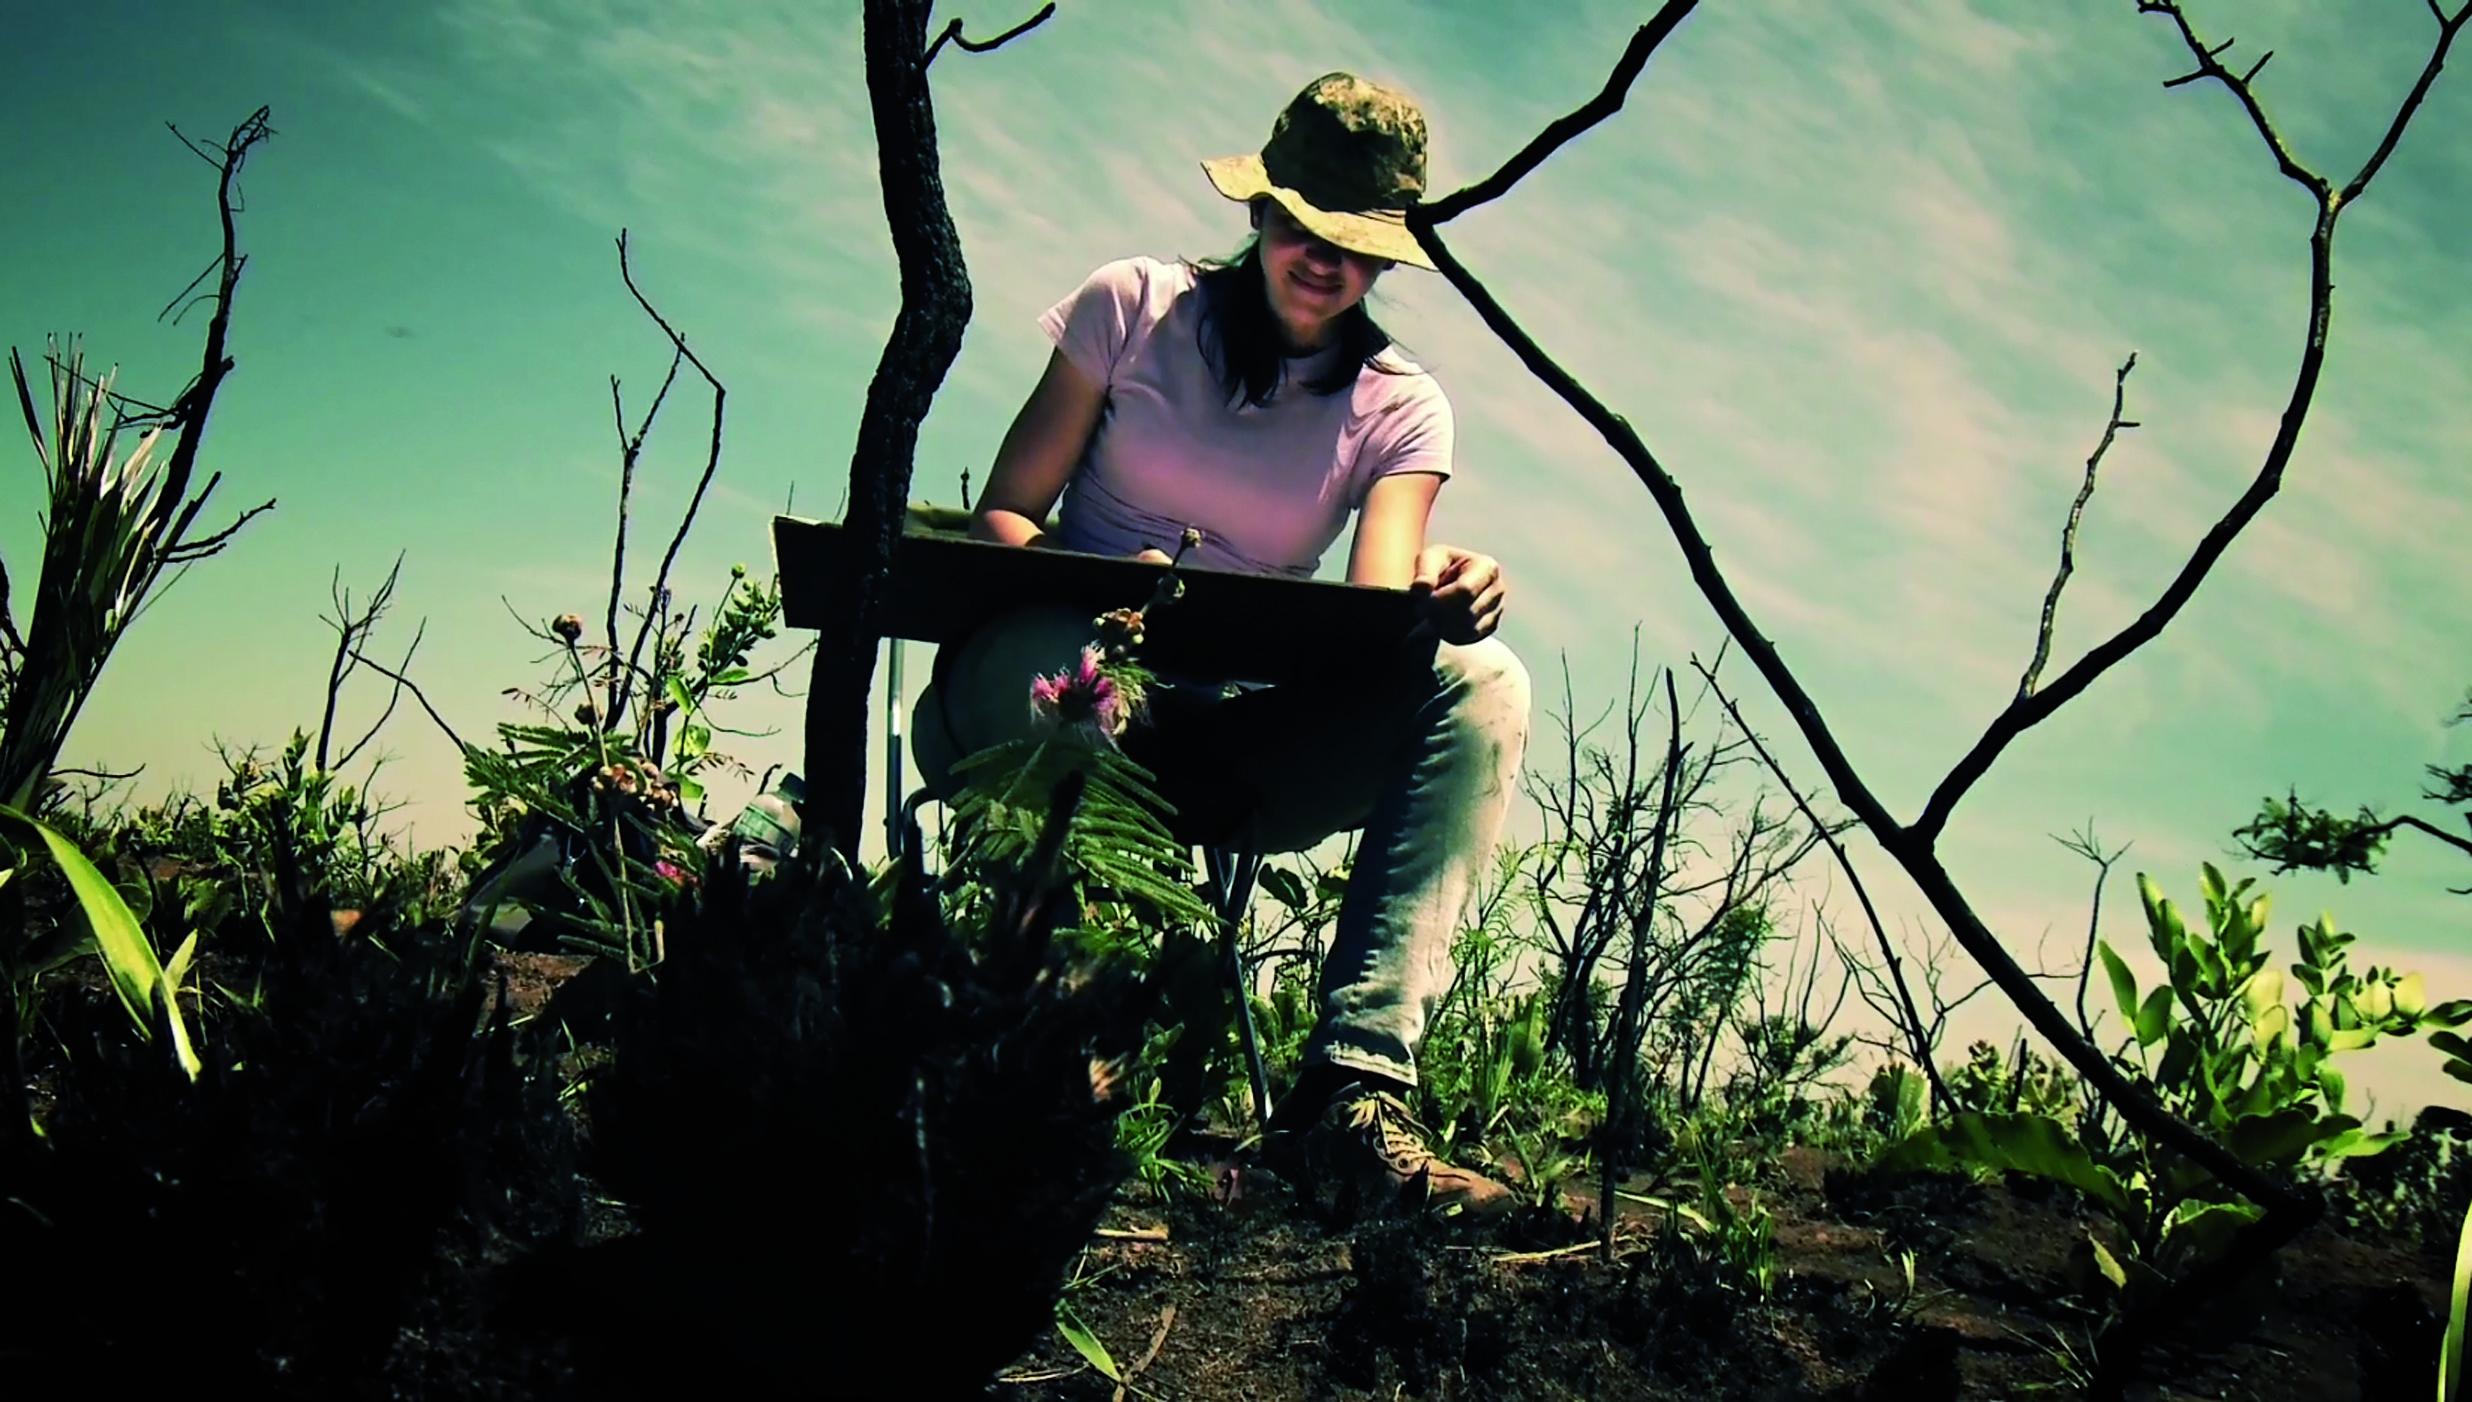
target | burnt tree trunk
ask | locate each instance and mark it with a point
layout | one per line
(926, 337)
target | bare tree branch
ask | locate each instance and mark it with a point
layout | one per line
(201, 548)
(2210, 65)
(108, 776)
(952, 32)
(1919, 1042)
(1624, 1091)
(1606, 103)
(2068, 532)
(2024, 713)
(191, 407)
(2288, 1208)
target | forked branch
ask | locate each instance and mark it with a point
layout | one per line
(2026, 712)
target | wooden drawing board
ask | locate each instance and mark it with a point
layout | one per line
(1241, 627)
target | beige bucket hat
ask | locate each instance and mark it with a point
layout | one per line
(1345, 159)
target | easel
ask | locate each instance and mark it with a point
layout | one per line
(945, 585)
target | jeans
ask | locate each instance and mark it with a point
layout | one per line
(1420, 748)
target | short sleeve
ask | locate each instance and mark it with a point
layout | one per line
(1093, 326)
(1416, 435)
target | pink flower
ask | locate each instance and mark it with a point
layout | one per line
(1082, 696)
(672, 873)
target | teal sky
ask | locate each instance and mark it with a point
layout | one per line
(1860, 274)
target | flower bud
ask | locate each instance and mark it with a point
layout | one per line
(568, 627)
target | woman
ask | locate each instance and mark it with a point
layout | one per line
(1259, 402)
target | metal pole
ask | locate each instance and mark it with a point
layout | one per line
(892, 753)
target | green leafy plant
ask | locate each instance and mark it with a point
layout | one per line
(1896, 1103)
(2021, 1081)
(2219, 1045)
(1119, 851)
(1737, 1242)
(1905, 1300)
(2295, 834)
(1146, 1127)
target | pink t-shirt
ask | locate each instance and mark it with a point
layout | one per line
(1268, 487)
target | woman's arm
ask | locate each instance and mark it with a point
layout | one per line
(1039, 454)
(1462, 592)
(1390, 529)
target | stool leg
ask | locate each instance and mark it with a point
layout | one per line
(1232, 874)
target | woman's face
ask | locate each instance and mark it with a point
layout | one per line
(1310, 281)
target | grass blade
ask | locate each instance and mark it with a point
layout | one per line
(135, 972)
(1086, 1343)
(2450, 1353)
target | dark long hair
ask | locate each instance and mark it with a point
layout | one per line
(1239, 335)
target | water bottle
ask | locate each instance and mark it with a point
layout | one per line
(767, 828)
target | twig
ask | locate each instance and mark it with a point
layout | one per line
(1529, 1258)
(2210, 65)
(349, 629)
(630, 449)
(1158, 1233)
(1916, 1033)
(952, 32)
(414, 687)
(2411, 103)
(2068, 532)
(403, 669)
(2085, 845)
(1150, 1355)
(109, 776)
(1624, 1100)
(199, 549)
(712, 464)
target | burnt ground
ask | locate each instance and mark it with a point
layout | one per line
(1261, 1300)
(1262, 1297)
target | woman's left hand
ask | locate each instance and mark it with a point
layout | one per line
(1461, 592)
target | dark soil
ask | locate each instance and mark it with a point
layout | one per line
(1260, 1300)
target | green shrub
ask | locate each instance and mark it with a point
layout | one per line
(2220, 1046)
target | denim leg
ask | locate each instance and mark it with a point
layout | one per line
(1422, 752)
(1437, 810)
